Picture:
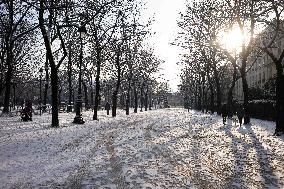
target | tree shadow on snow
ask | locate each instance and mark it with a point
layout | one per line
(261, 155)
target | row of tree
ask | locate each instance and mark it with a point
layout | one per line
(210, 69)
(43, 33)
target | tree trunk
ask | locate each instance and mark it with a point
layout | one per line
(211, 88)
(218, 90)
(92, 92)
(69, 71)
(196, 97)
(150, 100)
(135, 98)
(69, 107)
(9, 58)
(128, 97)
(46, 85)
(199, 98)
(54, 95)
(279, 99)
(146, 100)
(54, 76)
(203, 97)
(7, 88)
(59, 95)
(97, 87)
(141, 99)
(246, 96)
(86, 95)
(279, 108)
(114, 104)
(1, 89)
(231, 110)
(115, 92)
(2, 60)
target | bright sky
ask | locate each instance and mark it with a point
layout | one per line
(166, 13)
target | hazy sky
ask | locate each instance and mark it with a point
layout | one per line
(166, 12)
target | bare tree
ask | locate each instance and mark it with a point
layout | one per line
(50, 55)
(270, 37)
(15, 26)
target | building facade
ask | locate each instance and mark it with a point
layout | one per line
(260, 69)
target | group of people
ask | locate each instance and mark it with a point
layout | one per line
(239, 113)
(26, 114)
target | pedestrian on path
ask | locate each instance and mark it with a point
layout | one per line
(27, 113)
(107, 107)
(224, 113)
(240, 115)
(235, 119)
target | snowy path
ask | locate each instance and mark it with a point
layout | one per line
(169, 148)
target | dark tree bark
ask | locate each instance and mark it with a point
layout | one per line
(46, 85)
(86, 95)
(9, 59)
(279, 103)
(135, 98)
(204, 95)
(199, 105)
(115, 92)
(2, 66)
(53, 66)
(245, 91)
(150, 100)
(92, 92)
(196, 97)
(146, 100)
(69, 109)
(8, 86)
(128, 97)
(97, 87)
(54, 96)
(129, 80)
(141, 99)
(279, 90)
(211, 88)
(218, 89)
(230, 92)
(279, 74)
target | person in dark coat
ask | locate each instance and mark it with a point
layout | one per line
(224, 113)
(27, 112)
(107, 107)
(240, 114)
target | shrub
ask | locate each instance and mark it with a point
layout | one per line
(262, 109)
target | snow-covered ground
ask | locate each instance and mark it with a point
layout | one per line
(169, 148)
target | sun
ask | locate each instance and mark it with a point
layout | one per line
(232, 40)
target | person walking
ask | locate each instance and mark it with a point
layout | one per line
(224, 113)
(240, 115)
(107, 107)
(27, 113)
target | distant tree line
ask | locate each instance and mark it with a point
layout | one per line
(116, 62)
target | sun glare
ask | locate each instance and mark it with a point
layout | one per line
(232, 40)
